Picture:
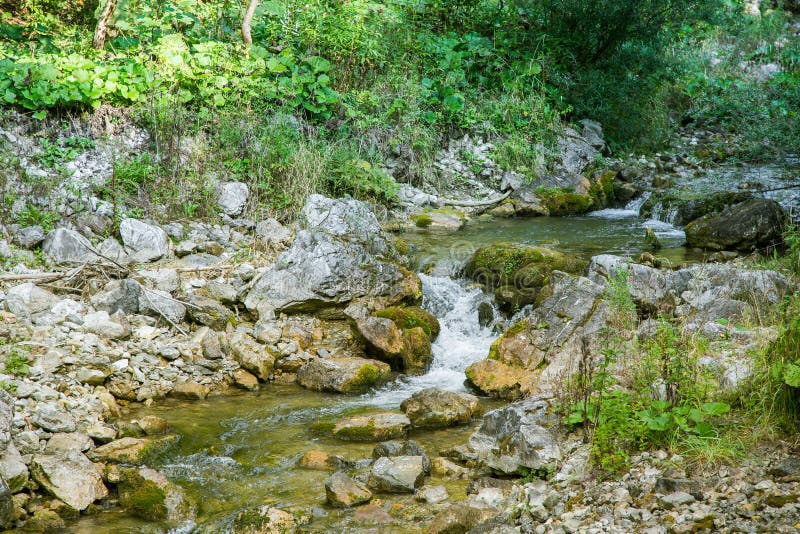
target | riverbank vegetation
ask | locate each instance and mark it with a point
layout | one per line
(329, 91)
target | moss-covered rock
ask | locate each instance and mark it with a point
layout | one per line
(410, 317)
(148, 494)
(134, 451)
(375, 427)
(564, 201)
(343, 375)
(263, 520)
(437, 408)
(439, 219)
(501, 380)
(686, 207)
(520, 271)
(752, 225)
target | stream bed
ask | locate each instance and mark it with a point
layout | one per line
(241, 450)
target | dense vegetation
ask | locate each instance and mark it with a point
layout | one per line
(329, 90)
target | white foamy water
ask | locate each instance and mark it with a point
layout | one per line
(462, 341)
(631, 209)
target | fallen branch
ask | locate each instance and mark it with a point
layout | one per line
(475, 203)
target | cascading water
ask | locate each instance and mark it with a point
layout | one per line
(631, 209)
(462, 341)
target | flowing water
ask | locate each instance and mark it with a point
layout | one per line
(240, 450)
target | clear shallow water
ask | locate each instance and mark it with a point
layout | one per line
(611, 231)
(240, 451)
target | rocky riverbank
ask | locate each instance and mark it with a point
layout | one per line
(102, 316)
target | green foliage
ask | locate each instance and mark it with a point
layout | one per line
(772, 395)
(16, 362)
(32, 215)
(347, 174)
(618, 296)
(55, 154)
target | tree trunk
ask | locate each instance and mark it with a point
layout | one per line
(248, 18)
(99, 41)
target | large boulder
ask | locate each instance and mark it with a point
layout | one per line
(118, 295)
(6, 505)
(144, 242)
(437, 408)
(232, 197)
(407, 349)
(29, 302)
(513, 437)
(397, 474)
(207, 311)
(343, 375)
(342, 491)
(132, 451)
(752, 225)
(536, 352)
(518, 272)
(376, 427)
(148, 494)
(251, 355)
(29, 236)
(72, 478)
(680, 209)
(65, 246)
(405, 447)
(340, 254)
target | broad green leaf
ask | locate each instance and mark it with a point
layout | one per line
(715, 408)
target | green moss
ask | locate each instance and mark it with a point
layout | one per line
(401, 246)
(367, 375)
(142, 497)
(357, 433)
(411, 317)
(422, 220)
(521, 266)
(564, 201)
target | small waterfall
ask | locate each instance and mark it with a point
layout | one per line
(665, 215)
(631, 209)
(462, 340)
(637, 203)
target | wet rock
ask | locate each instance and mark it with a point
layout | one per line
(485, 314)
(340, 254)
(372, 514)
(29, 302)
(207, 311)
(64, 246)
(107, 326)
(148, 494)
(751, 225)
(511, 438)
(251, 355)
(398, 474)
(446, 219)
(52, 417)
(6, 505)
(189, 391)
(523, 268)
(153, 425)
(376, 427)
(402, 448)
(245, 380)
(263, 520)
(144, 242)
(343, 375)
(28, 236)
(444, 468)
(457, 519)
(73, 479)
(341, 491)
(232, 198)
(437, 408)
(432, 494)
(101, 433)
(321, 461)
(130, 450)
